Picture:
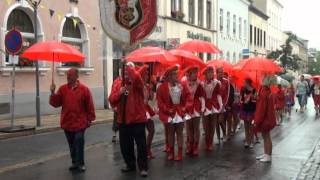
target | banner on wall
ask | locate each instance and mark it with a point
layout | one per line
(128, 21)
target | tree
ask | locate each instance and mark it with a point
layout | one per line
(314, 66)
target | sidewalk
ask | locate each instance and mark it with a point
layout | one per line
(48, 123)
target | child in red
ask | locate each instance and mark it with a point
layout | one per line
(280, 103)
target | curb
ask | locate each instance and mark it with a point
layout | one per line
(6, 136)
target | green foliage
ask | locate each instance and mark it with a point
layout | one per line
(314, 66)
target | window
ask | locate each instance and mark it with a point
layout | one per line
(209, 14)
(234, 58)
(209, 57)
(191, 11)
(228, 56)
(176, 8)
(228, 23)
(264, 39)
(74, 1)
(255, 36)
(201, 56)
(245, 29)
(261, 37)
(200, 12)
(71, 34)
(251, 34)
(234, 25)
(221, 20)
(20, 20)
(258, 37)
(240, 28)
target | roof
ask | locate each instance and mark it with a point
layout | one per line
(258, 12)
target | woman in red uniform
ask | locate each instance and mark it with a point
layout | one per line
(315, 91)
(280, 103)
(173, 101)
(213, 106)
(148, 96)
(195, 111)
(265, 118)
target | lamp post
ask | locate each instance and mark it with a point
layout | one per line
(35, 4)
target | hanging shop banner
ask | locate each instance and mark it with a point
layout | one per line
(128, 21)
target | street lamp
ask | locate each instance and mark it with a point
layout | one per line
(35, 4)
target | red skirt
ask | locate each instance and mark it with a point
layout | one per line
(316, 99)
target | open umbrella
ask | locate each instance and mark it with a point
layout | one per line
(258, 64)
(186, 58)
(53, 51)
(220, 63)
(282, 81)
(199, 46)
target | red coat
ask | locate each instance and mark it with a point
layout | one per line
(213, 101)
(265, 118)
(77, 107)
(280, 99)
(134, 111)
(225, 90)
(148, 95)
(165, 103)
(195, 101)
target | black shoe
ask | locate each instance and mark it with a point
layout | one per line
(73, 167)
(127, 169)
(114, 139)
(144, 173)
(81, 168)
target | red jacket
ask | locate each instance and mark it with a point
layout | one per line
(165, 103)
(134, 109)
(280, 99)
(77, 107)
(195, 101)
(213, 101)
(225, 90)
(265, 118)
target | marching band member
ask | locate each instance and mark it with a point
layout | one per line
(173, 101)
(213, 105)
(195, 111)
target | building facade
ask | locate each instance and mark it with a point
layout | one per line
(233, 35)
(273, 9)
(69, 22)
(258, 21)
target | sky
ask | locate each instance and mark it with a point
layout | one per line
(302, 17)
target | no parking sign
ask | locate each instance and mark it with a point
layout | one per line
(13, 41)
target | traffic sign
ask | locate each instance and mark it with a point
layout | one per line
(13, 41)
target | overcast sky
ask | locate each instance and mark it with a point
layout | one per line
(303, 18)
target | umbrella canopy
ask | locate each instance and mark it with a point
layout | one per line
(258, 64)
(53, 51)
(186, 58)
(307, 76)
(199, 46)
(217, 63)
(151, 54)
(282, 81)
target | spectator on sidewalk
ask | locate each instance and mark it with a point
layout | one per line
(76, 115)
(127, 98)
(302, 92)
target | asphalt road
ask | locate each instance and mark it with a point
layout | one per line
(45, 156)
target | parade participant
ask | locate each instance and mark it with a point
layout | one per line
(173, 101)
(225, 93)
(302, 91)
(195, 110)
(76, 115)
(229, 108)
(315, 90)
(248, 108)
(213, 105)
(289, 99)
(265, 118)
(279, 104)
(148, 96)
(127, 97)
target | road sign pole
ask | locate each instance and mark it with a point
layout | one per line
(13, 57)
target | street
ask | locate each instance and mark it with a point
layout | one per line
(45, 156)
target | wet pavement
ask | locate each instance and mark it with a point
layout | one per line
(296, 145)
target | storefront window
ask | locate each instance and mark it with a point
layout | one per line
(228, 23)
(191, 11)
(240, 28)
(221, 20)
(21, 21)
(209, 14)
(200, 12)
(234, 25)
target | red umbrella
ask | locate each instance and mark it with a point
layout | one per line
(199, 46)
(150, 55)
(258, 64)
(316, 78)
(53, 51)
(186, 58)
(227, 67)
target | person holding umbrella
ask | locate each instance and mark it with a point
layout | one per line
(126, 95)
(173, 101)
(76, 115)
(195, 111)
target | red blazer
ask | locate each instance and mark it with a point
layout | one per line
(195, 102)
(134, 112)
(225, 90)
(265, 118)
(165, 103)
(77, 107)
(213, 101)
(280, 99)
(149, 96)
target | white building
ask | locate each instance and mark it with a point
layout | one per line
(233, 28)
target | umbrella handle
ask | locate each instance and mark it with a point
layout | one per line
(52, 72)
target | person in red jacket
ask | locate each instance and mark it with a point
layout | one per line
(280, 103)
(173, 101)
(213, 105)
(224, 92)
(76, 115)
(127, 97)
(195, 110)
(148, 96)
(265, 118)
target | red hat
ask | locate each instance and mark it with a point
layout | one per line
(206, 69)
(170, 69)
